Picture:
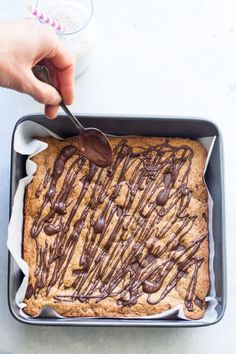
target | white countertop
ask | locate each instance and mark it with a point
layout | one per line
(152, 57)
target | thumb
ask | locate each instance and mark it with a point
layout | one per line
(42, 92)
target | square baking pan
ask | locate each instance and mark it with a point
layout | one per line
(186, 127)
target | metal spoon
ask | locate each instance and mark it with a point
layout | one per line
(93, 143)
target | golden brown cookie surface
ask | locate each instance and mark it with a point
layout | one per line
(127, 241)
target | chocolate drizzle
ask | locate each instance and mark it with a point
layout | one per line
(151, 204)
(29, 291)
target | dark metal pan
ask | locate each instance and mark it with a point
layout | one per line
(134, 125)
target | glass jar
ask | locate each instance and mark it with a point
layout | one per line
(80, 29)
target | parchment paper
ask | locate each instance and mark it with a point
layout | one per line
(25, 144)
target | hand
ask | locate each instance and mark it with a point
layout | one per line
(26, 43)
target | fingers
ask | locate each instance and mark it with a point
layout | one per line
(64, 63)
(51, 111)
(66, 84)
(41, 91)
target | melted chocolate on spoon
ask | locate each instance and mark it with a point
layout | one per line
(95, 147)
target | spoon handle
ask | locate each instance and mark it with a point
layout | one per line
(42, 73)
(71, 116)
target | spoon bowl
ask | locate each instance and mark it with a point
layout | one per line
(95, 146)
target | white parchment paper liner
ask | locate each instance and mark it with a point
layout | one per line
(25, 144)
